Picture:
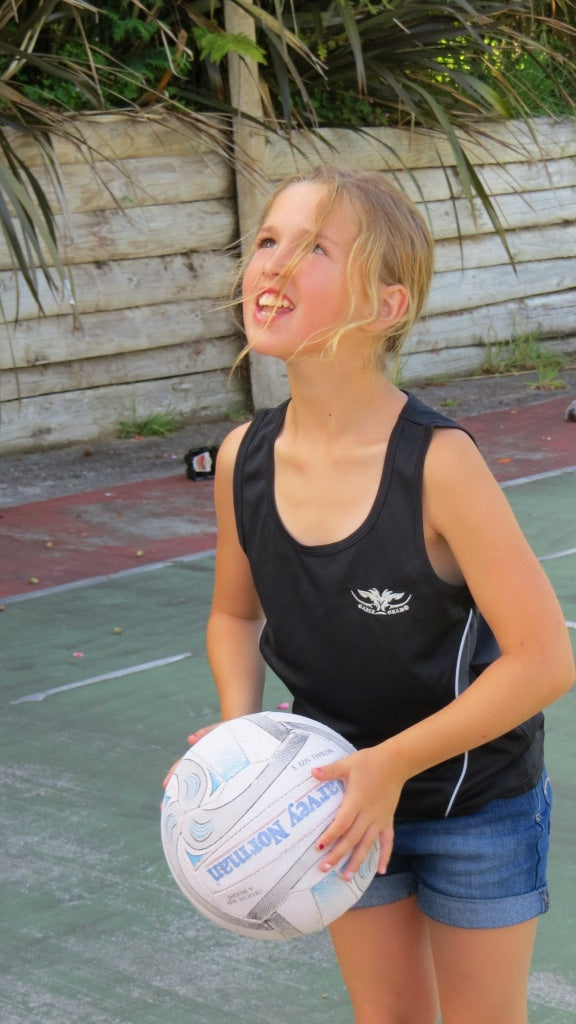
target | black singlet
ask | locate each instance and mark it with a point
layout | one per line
(364, 634)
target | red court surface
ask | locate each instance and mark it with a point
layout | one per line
(81, 536)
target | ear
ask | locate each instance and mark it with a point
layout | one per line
(393, 305)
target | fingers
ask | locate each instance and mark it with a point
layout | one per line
(192, 739)
(364, 816)
(351, 848)
(170, 773)
(386, 837)
(195, 736)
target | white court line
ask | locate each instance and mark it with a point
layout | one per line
(571, 625)
(92, 580)
(537, 476)
(557, 554)
(42, 694)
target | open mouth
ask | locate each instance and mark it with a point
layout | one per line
(273, 304)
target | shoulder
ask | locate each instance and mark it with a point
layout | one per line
(461, 493)
(229, 447)
(453, 455)
(225, 463)
(264, 424)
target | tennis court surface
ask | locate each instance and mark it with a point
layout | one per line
(103, 677)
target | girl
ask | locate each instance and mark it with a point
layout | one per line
(367, 555)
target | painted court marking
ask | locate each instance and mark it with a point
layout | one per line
(537, 476)
(93, 580)
(144, 667)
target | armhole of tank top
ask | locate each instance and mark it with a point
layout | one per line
(237, 478)
(237, 488)
(422, 455)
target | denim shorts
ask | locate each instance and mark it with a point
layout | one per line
(482, 870)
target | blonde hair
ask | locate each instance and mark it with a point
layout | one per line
(393, 246)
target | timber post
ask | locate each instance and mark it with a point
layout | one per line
(267, 376)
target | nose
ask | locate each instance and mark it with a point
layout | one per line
(277, 259)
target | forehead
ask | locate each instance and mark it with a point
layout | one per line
(302, 205)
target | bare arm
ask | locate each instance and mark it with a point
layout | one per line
(236, 617)
(466, 507)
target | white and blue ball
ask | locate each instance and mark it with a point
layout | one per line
(240, 821)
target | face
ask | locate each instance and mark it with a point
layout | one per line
(288, 311)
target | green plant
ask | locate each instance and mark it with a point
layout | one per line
(522, 353)
(437, 65)
(154, 424)
(239, 413)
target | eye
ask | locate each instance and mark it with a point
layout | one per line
(319, 248)
(265, 243)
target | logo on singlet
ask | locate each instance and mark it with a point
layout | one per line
(385, 602)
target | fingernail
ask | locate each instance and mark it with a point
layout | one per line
(321, 846)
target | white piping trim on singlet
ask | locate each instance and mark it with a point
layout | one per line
(457, 694)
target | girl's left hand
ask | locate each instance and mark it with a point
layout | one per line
(366, 813)
(191, 741)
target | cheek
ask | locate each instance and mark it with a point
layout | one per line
(247, 283)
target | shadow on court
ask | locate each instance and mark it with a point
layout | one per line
(103, 679)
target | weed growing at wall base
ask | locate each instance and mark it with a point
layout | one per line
(521, 353)
(154, 424)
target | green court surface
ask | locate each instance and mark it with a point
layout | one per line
(102, 682)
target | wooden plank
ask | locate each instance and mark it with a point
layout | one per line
(80, 416)
(147, 181)
(145, 231)
(558, 241)
(501, 284)
(120, 136)
(548, 316)
(499, 179)
(58, 339)
(549, 206)
(457, 362)
(376, 148)
(430, 184)
(127, 367)
(449, 362)
(119, 284)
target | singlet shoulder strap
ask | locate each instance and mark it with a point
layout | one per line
(418, 412)
(254, 462)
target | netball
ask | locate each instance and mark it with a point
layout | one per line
(240, 821)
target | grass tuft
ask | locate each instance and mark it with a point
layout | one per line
(522, 353)
(155, 424)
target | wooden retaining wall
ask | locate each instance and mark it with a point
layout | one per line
(149, 234)
(150, 221)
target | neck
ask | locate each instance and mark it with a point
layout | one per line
(335, 401)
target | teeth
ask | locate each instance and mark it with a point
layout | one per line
(269, 300)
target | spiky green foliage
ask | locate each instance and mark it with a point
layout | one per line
(336, 62)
